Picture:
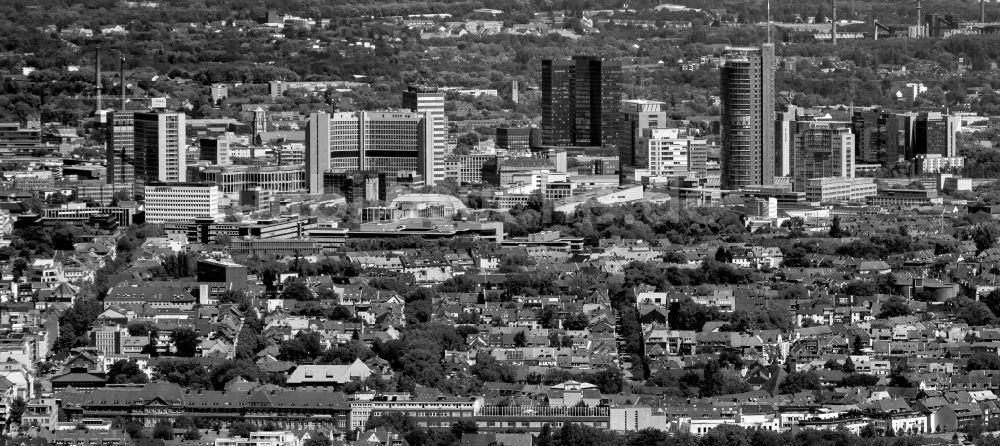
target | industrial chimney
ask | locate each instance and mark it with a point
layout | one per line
(833, 32)
(920, 14)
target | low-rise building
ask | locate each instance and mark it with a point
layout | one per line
(839, 189)
(905, 197)
(171, 202)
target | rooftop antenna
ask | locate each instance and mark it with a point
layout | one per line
(121, 77)
(768, 21)
(97, 78)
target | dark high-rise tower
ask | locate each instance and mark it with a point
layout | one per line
(580, 101)
(747, 92)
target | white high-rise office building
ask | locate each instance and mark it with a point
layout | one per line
(431, 101)
(383, 142)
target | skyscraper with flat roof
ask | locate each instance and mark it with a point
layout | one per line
(120, 148)
(747, 92)
(635, 116)
(580, 101)
(381, 142)
(420, 99)
(160, 148)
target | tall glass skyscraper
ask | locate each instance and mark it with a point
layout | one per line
(747, 93)
(580, 101)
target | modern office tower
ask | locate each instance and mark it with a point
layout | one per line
(317, 151)
(517, 139)
(822, 149)
(902, 136)
(783, 143)
(747, 93)
(698, 157)
(421, 99)
(635, 116)
(580, 101)
(214, 150)
(667, 151)
(557, 103)
(160, 148)
(120, 148)
(259, 123)
(934, 134)
(377, 141)
(871, 135)
(180, 201)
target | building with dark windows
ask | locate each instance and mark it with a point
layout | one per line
(210, 270)
(204, 230)
(120, 148)
(214, 150)
(580, 101)
(514, 138)
(357, 186)
(160, 148)
(934, 134)
(747, 93)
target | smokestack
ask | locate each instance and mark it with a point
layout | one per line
(121, 78)
(97, 77)
(920, 14)
(833, 33)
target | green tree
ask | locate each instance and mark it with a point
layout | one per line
(985, 235)
(17, 408)
(192, 434)
(835, 229)
(319, 439)
(186, 341)
(163, 430)
(799, 381)
(126, 372)
(297, 290)
(983, 361)
(894, 307)
(857, 345)
(241, 429)
(520, 339)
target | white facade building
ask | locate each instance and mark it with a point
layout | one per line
(667, 151)
(839, 189)
(168, 202)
